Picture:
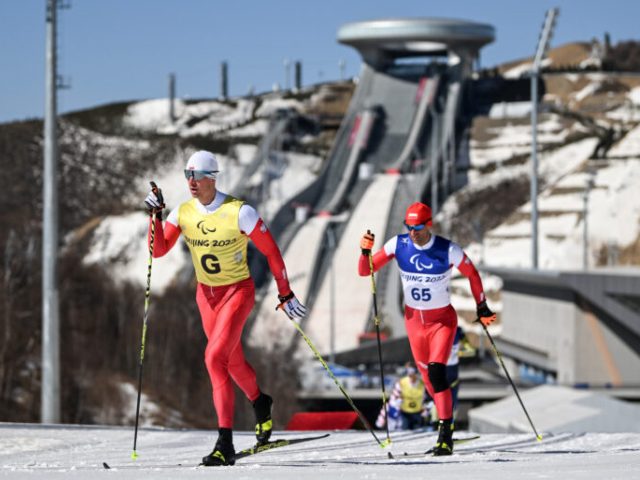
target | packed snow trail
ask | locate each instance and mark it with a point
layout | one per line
(79, 452)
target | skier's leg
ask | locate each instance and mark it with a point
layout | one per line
(418, 341)
(239, 308)
(219, 308)
(243, 374)
(442, 335)
(441, 341)
(209, 301)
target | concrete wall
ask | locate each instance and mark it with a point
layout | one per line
(601, 356)
(541, 324)
(577, 345)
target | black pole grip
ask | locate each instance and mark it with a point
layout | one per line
(157, 192)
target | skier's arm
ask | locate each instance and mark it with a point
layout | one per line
(466, 268)
(162, 241)
(164, 238)
(252, 225)
(264, 242)
(380, 258)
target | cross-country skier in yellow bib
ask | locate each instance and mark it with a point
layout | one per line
(217, 228)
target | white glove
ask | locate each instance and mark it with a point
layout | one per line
(154, 201)
(292, 307)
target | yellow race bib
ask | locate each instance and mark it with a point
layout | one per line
(218, 248)
(412, 395)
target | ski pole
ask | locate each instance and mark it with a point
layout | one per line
(340, 387)
(376, 321)
(147, 294)
(513, 385)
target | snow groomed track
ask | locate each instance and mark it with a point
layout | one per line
(80, 452)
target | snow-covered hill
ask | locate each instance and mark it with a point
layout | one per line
(119, 241)
(500, 155)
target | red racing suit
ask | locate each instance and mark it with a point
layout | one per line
(217, 237)
(430, 319)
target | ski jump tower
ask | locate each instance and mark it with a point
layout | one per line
(381, 42)
(397, 143)
(412, 79)
(387, 42)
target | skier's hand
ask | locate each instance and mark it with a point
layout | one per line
(485, 315)
(154, 202)
(290, 305)
(366, 242)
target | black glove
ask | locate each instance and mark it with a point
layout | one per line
(154, 202)
(485, 315)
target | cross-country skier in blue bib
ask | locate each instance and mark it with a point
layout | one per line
(425, 262)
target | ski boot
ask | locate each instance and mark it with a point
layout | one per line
(444, 445)
(223, 453)
(264, 424)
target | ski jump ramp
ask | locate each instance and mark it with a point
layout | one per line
(384, 110)
(300, 257)
(343, 294)
(351, 293)
(396, 98)
(401, 110)
(393, 119)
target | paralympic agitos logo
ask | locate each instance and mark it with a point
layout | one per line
(420, 266)
(204, 229)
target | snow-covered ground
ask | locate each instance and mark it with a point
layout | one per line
(242, 117)
(78, 452)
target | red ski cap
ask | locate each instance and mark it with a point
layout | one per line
(418, 214)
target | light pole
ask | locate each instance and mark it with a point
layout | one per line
(341, 66)
(585, 224)
(172, 98)
(331, 243)
(287, 74)
(50, 394)
(541, 51)
(224, 80)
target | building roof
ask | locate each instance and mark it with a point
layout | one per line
(556, 409)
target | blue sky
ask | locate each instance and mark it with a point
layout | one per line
(113, 50)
